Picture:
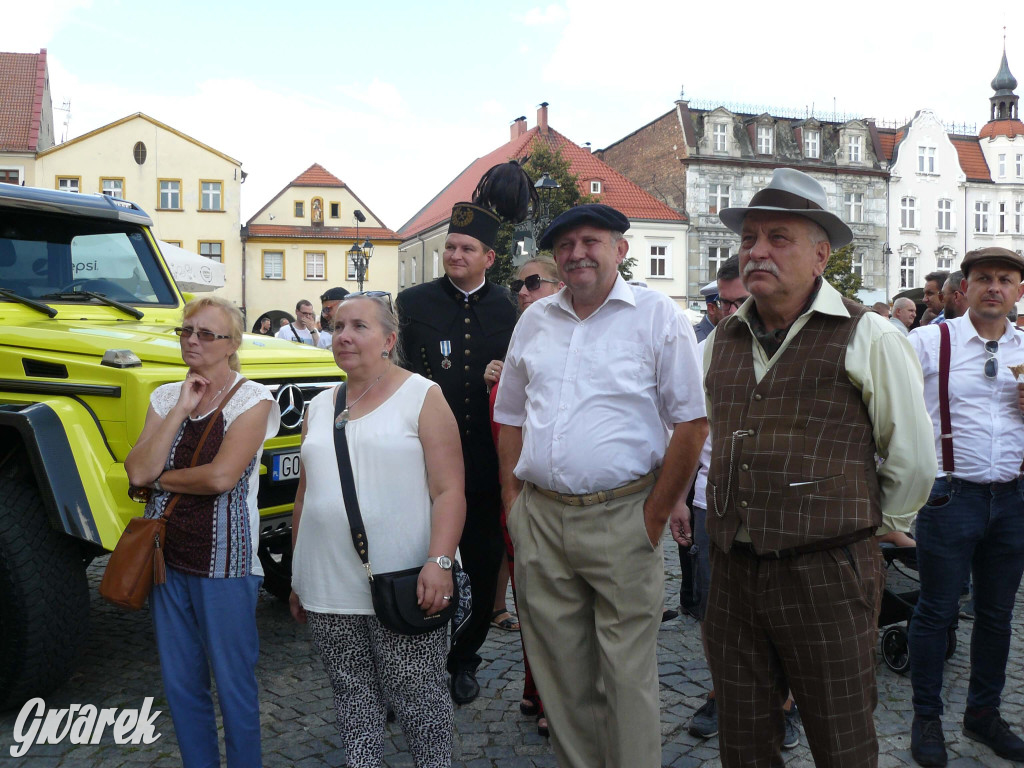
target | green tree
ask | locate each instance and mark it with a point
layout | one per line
(839, 272)
(543, 158)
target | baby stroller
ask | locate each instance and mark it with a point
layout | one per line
(898, 607)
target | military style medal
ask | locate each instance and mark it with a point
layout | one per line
(446, 350)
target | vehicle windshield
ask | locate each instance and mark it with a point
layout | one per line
(48, 255)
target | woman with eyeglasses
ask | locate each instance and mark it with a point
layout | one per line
(537, 279)
(204, 616)
(406, 458)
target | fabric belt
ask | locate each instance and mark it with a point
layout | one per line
(746, 549)
(586, 499)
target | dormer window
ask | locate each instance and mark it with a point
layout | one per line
(595, 187)
(765, 136)
(812, 144)
(856, 149)
(721, 137)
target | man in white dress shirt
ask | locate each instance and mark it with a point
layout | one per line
(973, 522)
(602, 419)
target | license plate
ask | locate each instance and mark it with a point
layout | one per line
(284, 466)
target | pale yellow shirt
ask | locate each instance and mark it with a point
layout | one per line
(882, 365)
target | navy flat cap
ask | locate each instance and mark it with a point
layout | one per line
(602, 216)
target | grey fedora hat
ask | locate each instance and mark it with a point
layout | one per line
(795, 193)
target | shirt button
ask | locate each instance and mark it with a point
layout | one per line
(758, 397)
(743, 504)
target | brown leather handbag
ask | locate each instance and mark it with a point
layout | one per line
(137, 562)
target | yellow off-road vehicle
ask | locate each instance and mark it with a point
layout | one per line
(87, 312)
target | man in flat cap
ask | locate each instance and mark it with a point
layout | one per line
(451, 328)
(809, 388)
(973, 522)
(602, 424)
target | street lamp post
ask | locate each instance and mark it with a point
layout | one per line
(359, 255)
(535, 223)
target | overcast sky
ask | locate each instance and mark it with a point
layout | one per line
(396, 98)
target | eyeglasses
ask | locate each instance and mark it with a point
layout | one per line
(532, 283)
(729, 303)
(371, 295)
(187, 332)
(992, 363)
(307, 314)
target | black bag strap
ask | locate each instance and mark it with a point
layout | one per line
(945, 423)
(348, 483)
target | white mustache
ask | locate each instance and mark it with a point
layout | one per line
(582, 264)
(761, 266)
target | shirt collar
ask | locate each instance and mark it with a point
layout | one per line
(621, 291)
(466, 294)
(1009, 334)
(828, 302)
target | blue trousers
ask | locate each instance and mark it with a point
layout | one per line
(966, 529)
(200, 624)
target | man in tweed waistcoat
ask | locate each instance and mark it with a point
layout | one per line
(808, 388)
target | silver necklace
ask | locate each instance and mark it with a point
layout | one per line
(343, 418)
(214, 399)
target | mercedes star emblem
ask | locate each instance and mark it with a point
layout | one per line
(292, 405)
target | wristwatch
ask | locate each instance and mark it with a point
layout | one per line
(157, 486)
(443, 562)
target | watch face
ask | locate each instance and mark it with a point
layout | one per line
(445, 562)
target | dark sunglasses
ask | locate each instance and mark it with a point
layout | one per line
(729, 303)
(371, 295)
(532, 283)
(187, 332)
(992, 363)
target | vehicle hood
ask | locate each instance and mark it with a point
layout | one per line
(152, 342)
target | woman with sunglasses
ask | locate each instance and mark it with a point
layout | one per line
(409, 479)
(204, 616)
(537, 278)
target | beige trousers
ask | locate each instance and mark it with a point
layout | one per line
(589, 589)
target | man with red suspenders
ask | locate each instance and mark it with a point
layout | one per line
(973, 521)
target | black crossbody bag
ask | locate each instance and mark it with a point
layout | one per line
(394, 593)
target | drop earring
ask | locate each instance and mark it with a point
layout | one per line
(385, 353)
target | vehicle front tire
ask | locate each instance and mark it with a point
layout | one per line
(44, 597)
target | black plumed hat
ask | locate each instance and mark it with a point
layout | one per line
(505, 193)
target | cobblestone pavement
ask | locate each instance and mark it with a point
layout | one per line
(118, 668)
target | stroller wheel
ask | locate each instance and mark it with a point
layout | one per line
(951, 641)
(896, 650)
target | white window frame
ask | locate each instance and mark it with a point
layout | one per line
(273, 265)
(853, 202)
(1002, 166)
(857, 263)
(720, 136)
(401, 274)
(659, 259)
(908, 212)
(1001, 221)
(109, 185)
(944, 259)
(413, 273)
(765, 139)
(1020, 166)
(981, 217)
(437, 264)
(855, 149)
(944, 209)
(926, 160)
(718, 197)
(316, 265)
(69, 183)
(908, 271)
(212, 195)
(170, 189)
(595, 187)
(18, 176)
(1018, 217)
(812, 144)
(717, 256)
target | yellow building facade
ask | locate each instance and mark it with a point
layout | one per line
(297, 246)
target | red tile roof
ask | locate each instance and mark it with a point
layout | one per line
(889, 140)
(22, 86)
(972, 160)
(1011, 128)
(285, 231)
(616, 190)
(317, 176)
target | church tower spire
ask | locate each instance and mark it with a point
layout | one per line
(1004, 100)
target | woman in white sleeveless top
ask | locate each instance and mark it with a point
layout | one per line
(407, 462)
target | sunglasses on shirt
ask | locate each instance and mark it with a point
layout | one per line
(532, 283)
(992, 363)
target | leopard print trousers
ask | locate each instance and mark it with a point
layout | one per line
(370, 666)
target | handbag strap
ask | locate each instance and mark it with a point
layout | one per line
(348, 483)
(945, 423)
(172, 503)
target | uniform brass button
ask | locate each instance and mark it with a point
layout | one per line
(468, 337)
(743, 504)
(467, 401)
(758, 397)
(466, 321)
(467, 433)
(466, 352)
(744, 467)
(466, 367)
(467, 385)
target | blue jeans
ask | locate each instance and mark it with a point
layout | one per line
(200, 624)
(966, 529)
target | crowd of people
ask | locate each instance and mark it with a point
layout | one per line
(782, 444)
